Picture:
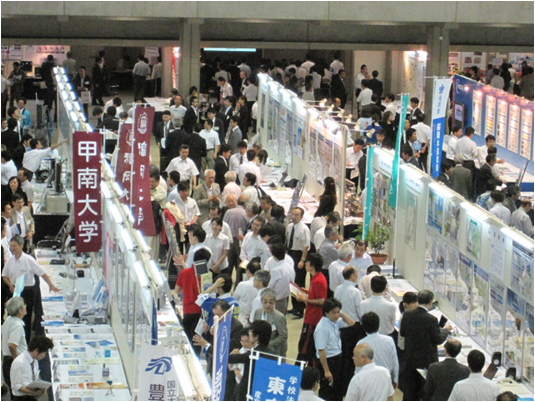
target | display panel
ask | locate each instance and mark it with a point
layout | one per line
(496, 316)
(411, 222)
(464, 291)
(473, 236)
(451, 268)
(527, 133)
(480, 305)
(300, 134)
(490, 116)
(453, 214)
(527, 371)
(522, 271)
(477, 109)
(513, 330)
(435, 211)
(501, 131)
(514, 125)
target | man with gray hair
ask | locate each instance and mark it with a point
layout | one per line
(236, 218)
(461, 178)
(13, 335)
(277, 320)
(345, 253)
(230, 188)
(206, 194)
(372, 382)
(260, 282)
(252, 244)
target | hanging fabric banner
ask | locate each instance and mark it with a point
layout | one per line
(393, 191)
(158, 378)
(369, 192)
(441, 90)
(125, 158)
(275, 381)
(221, 352)
(140, 191)
(86, 186)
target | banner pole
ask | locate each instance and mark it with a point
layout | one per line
(132, 156)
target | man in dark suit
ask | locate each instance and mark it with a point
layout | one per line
(415, 112)
(163, 128)
(243, 115)
(422, 335)
(221, 165)
(10, 137)
(82, 82)
(408, 157)
(445, 176)
(485, 178)
(111, 122)
(191, 117)
(376, 85)
(218, 125)
(461, 179)
(228, 111)
(197, 146)
(175, 139)
(338, 88)
(441, 377)
(99, 81)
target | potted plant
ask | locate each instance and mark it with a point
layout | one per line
(377, 242)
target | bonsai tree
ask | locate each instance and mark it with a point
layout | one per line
(377, 239)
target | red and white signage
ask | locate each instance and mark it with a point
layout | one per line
(125, 158)
(86, 182)
(140, 203)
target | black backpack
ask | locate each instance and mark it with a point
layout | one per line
(157, 215)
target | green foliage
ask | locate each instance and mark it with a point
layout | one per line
(378, 237)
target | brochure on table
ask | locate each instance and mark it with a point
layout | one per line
(480, 270)
(494, 112)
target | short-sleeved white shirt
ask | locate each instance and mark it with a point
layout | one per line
(24, 265)
(189, 208)
(186, 168)
(216, 246)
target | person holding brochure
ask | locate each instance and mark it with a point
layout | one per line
(25, 383)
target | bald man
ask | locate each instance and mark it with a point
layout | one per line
(371, 382)
(236, 218)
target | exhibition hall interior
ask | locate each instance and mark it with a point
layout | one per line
(248, 201)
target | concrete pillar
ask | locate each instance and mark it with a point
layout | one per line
(387, 76)
(190, 51)
(167, 77)
(438, 43)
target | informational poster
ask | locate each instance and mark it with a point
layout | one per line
(275, 381)
(313, 154)
(526, 133)
(501, 131)
(522, 270)
(336, 173)
(289, 137)
(262, 115)
(158, 377)
(451, 225)
(435, 215)
(480, 305)
(382, 212)
(454, 61)
(470, 59)
(527, 371)
(276, 124)
(328, 154)
(322, 149)
(451, 270)
(464, 292)
(411, 220)
(473, 236)
(516, 60)
(429, 269)
(496, 316)
(514, 128)
(300, 135)
(497, 253)
(515, 317)
(270, 122)
(477, 108)
(281, 134)
(490, 116)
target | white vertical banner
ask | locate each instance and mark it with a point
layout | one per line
(158, 379)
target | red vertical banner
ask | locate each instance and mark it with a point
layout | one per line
(86, 182)
(141, 203)
(125, 157)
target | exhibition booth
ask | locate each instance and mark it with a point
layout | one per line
(480, 270)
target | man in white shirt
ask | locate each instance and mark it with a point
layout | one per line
(212, 144)
(499, 210)
(249, 167)
(385, 309)
(25, 369)
(365, 283)
(250, 189)
(520, 219)
(309, 385)
(187, 205)
(22, 264)
(372, 382)
(260, 282)
(336, 65)
(26, 185)
(475, 387)
(239, 158)
(225, 88)
(336, 278)
(282, 273)
(365, 96)
(140, 72)
(423, 134)
(483, 151)
(230, 188)
(390, 106)
(333, 220)
(456, 133)
(245, 293)
(196, 238)
(35, 155)
(353, 154)
(207, 194)
(384, 349)
(308, 63)
(358, 79)
(298, 244)
(157, 73)
(244, 67)
(253, 245)
(214, 213)
(178, 110)
(467, 148)
(8, 168)
(361, 259)
(173, 178)
(184, 165)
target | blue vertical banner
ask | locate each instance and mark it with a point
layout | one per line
(275, 381)
(154, 330)
(369, 192)
(221, 352)
(393, 190)
(441, 91)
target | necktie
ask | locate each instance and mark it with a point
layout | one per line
(291, 241)
(241, 159)
(166, 129)
(34, 377)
